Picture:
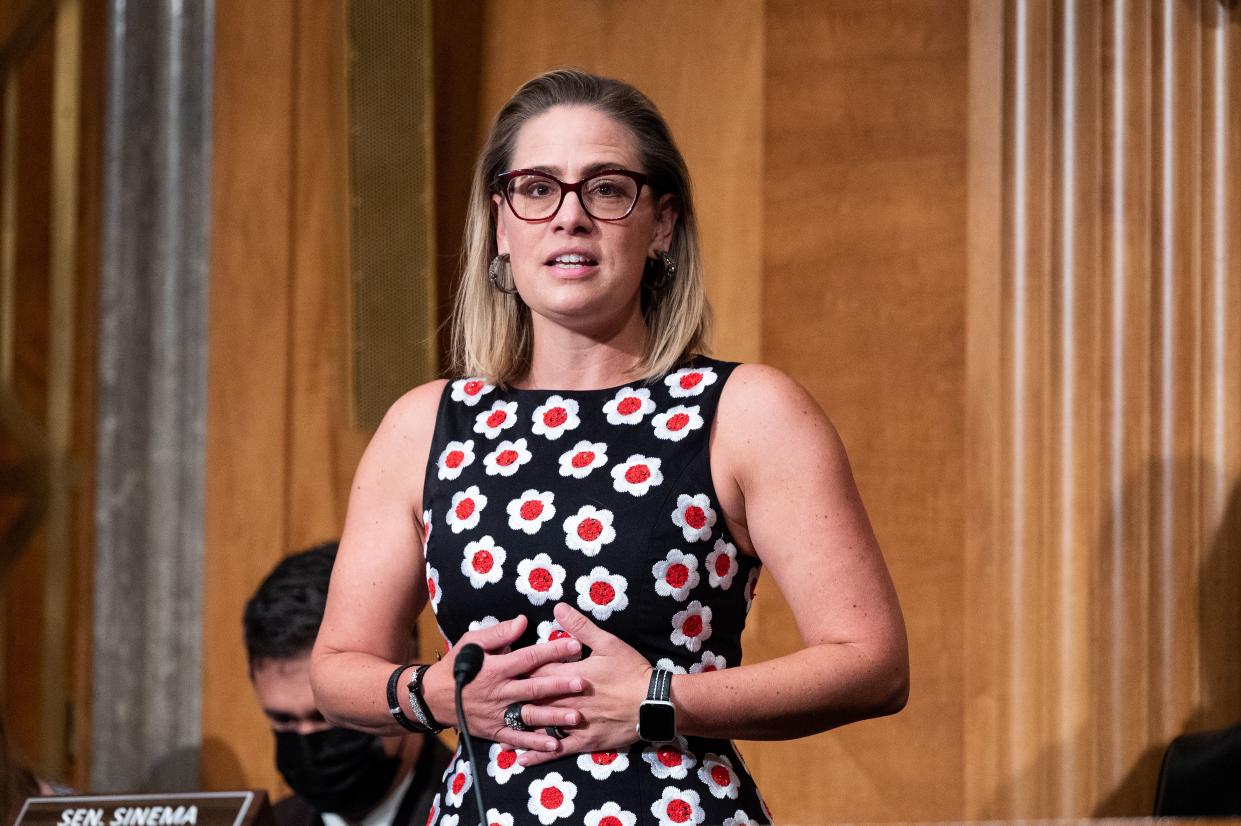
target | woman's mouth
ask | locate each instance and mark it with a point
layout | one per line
(572, 261)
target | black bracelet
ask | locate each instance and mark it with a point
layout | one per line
(394, 705)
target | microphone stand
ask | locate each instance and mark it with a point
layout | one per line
(465, 667)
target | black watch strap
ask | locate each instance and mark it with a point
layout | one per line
(660, 687)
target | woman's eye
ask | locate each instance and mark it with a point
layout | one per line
(535, 189)
(605, 189)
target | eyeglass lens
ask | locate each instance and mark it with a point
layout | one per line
(606, 196)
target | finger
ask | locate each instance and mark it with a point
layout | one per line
(543, 716)
(496, 638)
(577, 624)
(530, 658)
(567, 670)
(533, 689)
(569, 745)
(535, 740)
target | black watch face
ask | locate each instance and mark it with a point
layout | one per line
(657, 722)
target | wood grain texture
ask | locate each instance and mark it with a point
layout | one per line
(324, 447)
(249, 368)
(1102, 390)
(864, 279)
(279, 478)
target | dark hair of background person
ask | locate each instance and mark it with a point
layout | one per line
(16, 781)
(282, 618)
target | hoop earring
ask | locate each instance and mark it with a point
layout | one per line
(668, 264)
(493, 274)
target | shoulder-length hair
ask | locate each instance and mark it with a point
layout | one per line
(491, 330)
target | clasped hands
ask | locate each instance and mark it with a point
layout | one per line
(594, 700)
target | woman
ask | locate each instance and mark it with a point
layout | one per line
(597, 502)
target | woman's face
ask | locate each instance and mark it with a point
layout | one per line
(569, 143)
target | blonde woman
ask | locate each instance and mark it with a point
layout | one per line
(591, 500)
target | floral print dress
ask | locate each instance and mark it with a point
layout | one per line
(602, 499)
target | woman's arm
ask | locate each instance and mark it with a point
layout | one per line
(378, 587)
(787, 494)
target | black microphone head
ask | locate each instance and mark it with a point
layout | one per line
(467, 663)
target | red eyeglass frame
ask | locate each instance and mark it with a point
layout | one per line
(503, 179)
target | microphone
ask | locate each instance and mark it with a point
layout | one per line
(468, 663)
(465, 667)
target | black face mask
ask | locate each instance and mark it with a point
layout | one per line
(337, 770)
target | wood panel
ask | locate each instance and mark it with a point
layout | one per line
(1104, 333)
(711, 97)
(281, 446)
(324, 449)
(53, 193)
(864, 279)
(249, 367)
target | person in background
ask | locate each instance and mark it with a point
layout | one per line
(339, 776)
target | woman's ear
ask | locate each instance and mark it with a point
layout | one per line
(497, 213)
(666, 213)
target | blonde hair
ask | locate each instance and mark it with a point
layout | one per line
(491, 330)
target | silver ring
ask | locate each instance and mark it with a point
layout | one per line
(512, 717)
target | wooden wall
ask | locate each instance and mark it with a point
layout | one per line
(864, 283)
(54, 58)
(993, 238)
(280, 448)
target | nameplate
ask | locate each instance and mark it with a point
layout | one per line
(190, 809)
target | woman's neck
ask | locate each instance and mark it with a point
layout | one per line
(566, 359)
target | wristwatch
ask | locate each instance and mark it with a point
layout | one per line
(657, 717)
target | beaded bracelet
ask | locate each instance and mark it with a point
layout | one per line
(421, 710)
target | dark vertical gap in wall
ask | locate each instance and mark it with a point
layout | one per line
(92, 72)
(457, 31)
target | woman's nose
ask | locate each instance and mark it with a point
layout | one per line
(572, 215)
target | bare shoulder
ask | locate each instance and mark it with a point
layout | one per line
(761, 403)
(413, 415)
(767, 420)
(402, 441)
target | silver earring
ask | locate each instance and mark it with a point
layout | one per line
(655, 280)
(670, 265)
(493, 273)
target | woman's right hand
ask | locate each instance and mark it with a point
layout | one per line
(503, 681)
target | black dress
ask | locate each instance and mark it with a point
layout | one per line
(602, 499)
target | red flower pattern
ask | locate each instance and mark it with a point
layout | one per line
(620, 529)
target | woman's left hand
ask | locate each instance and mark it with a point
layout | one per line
(615, 680)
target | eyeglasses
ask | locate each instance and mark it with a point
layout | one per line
(536, 197)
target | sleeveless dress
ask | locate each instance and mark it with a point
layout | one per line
(602, 499)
